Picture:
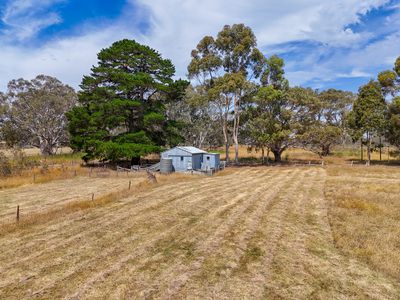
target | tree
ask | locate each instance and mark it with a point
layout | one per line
(199, 118)
(278, 112)
(393, 116)
(390, 79)
(367, 118)
(225, 66)
(260, 130)
(121, 112)
(34, 113)
(329, 110)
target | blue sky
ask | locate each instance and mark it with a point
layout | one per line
(340, 44)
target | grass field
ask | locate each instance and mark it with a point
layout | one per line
(40, 197)
(340, 155)
(250, 232)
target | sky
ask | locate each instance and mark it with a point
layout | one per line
(325, 44)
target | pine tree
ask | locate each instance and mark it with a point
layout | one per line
(121, 112)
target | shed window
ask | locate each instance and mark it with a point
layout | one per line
(181, 158)
(208, 158)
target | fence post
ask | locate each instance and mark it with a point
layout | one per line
(130, 184)
(18, 213)
(92, 196)
(34, 177)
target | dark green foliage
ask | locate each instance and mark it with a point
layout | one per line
(274, 73)
(393, 132)
(122, 111)
(390, 79)
(387, 79)
(326, 128)
(397, 66)
(369, 109)
(367, 119)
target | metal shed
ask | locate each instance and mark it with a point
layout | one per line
(210, 161)
(186, 158)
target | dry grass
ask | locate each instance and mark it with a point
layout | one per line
(340, 155)
(37, 198)
(365, 214)
(37, 175)
(36, 151)
(258, 232)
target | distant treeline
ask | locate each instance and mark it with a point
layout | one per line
(130, 105)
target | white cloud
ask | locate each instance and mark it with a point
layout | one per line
(25, 18)
(176, 26)
(67, 59)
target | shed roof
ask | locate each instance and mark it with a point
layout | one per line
(191, 150)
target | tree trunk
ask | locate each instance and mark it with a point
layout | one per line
(362, 151)
(277, 155)
(236, 122)
(226, 140)
(227, 152)
(262, 155)
(369, 150)
(46, 148)
(326, 150)
(236, 152)
(267, 156)
(380, 148)
(135, 161)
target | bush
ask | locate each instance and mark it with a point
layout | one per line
(21, 161)
(5, 165)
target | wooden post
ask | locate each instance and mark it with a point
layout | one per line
(130, 184)
(352, 162)
(34, 177)
(75, 173)
(309, 162)
(92, 196)
(18, 213)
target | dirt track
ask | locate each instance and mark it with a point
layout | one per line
(255, 233)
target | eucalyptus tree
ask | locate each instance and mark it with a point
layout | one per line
(390, 79)
(329, 110)
(198, 117)
(393, 128)
(226, 65)
(390, 82)
(34, 113)
(270, 123)
(367, 119)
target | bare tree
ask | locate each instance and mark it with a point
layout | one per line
(34, 113)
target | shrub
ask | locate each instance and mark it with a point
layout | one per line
(5, 165)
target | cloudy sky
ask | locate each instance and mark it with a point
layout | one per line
(337, 43)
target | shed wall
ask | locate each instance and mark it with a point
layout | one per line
(212, 162)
